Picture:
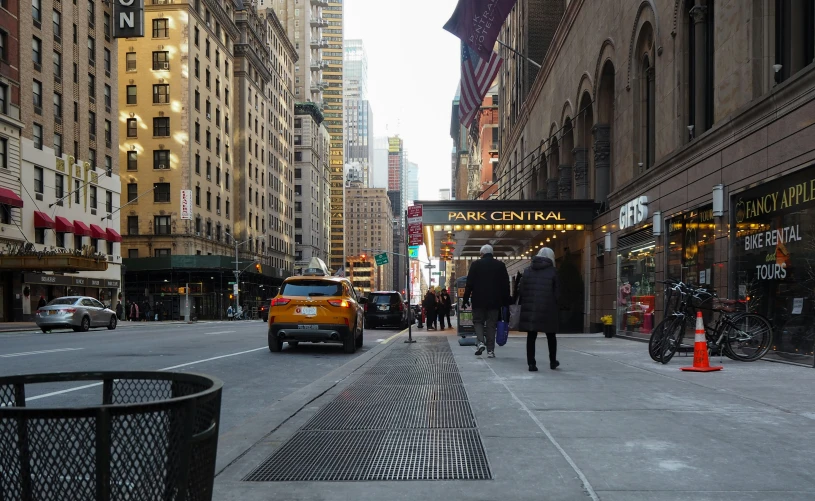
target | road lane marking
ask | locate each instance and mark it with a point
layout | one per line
(54, 393)
(42, 352)
(219, 332)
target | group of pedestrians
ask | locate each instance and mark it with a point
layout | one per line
(537, 294)
(144, 312)
(437, 306)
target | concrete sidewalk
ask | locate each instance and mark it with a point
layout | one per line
(608, 424)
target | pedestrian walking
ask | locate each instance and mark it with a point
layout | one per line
(229, 312)
(120, 311)
(538, 293)
(134, 311)
(41, 302)
(447, 305)
(430, 309)
(488, 286)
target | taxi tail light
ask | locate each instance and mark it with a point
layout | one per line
(280, 301)
(342, 303)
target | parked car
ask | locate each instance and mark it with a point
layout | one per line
(386, 308)
(316, 308)
(263, 310)
(79, 313)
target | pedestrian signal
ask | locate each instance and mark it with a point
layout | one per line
(182, 290)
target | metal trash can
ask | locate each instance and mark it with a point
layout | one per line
(154, 436)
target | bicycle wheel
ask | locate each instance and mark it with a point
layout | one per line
(672, 339)
(656, 339)
(749, 337)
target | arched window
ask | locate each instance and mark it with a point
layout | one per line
(649, 116)
(794, 37)
(644, 136)
(698, 43)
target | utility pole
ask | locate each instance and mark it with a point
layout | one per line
(407, 279)
(237, 287)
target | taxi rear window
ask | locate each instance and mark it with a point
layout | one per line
(311, 288)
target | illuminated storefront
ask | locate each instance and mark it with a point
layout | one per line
(773, 259)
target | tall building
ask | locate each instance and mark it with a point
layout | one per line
(59, 185)
(355, 71)
(311, 188)
(379, 171)
(333, 111)
(303, 22)
(413, 182)
(368, 225)
(359, 117)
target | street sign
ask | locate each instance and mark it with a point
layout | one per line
(413, 252)
(381, 259)
(235, 289)
(186, 204)
(430, 266)
(415, 230)
(231, 283)
(436, 273)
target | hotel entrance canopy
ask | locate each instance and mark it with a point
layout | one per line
(512, 227)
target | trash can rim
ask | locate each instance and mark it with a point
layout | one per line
(100, 377)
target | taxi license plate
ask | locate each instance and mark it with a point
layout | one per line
(307, 310)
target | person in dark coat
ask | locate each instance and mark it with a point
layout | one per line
(430, 309)
(488, 285)
(538, 292)
(447, 307)
(41, 302)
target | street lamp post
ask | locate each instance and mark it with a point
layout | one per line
(238, 271)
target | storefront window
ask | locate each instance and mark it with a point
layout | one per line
(636, 268)
(773, 265)
(690, 247)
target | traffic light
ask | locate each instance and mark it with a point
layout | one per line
(363, 257)
(231, 297)
(182, 290)
(258, 268)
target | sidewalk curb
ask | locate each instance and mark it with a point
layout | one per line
(235, 444)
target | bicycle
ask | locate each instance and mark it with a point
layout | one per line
(673, 294)
(742, 336)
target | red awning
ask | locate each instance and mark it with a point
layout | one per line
(64, 225)
(97, 232)
(43, 220)
(113, 235)
(81, 229)
(8, 197)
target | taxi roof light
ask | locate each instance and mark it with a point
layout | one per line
(316, 267)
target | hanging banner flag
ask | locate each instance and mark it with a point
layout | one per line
(186, 204)
(478, 23)
(128, 16)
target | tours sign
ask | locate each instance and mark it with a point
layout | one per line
(128, 18)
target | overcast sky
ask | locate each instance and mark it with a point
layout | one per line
(413, 72)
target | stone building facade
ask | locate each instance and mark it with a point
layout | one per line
(676, 116)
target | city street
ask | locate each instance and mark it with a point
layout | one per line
(235, 352)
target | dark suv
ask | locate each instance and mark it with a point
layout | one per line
(386, 308)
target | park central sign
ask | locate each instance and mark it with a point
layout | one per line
(128, 18)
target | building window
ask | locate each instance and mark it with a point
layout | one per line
(36, 10)
(132, 94)
(92, 123)
(133, 253)
(91, 51)
(198, 196)
(132, 192)
(92, 158)
(699, 34)
(132, 160)
(39, 235)
(196, 35)
(57, 144)
(77, 190)
(108, 166)
(226, 180)
(37, 96)
(161, 28)
(161, 126)
(108, 98)
(206, 80)
(197, 132)
(92, 197)
(161, 159)
(57, 105)
(161, 94)
(3, 45)
(197, 68)
(76, 119)
(107, 60)
(162, 252)
(108, 201)
(4, 98)
(4, 153)
(57, 19)
(161, 193)
(209, 140)
(130, 61)
(794, 36)
(37, 134)
(60, 240)
(227, 208)
(108, 133)
(198, 164)
(91, 86)
(106, 26)
(161, 226)
(209, 169)
(161, 60)
(209, 201)
(91, 12)
(132, 128)
(644, 101)
(197, 101)
(132, 225)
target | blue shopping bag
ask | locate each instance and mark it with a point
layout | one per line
(503, 330)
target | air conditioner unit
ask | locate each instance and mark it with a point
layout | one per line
(219, 212)
(197, 233)
(208, 116)
(166, 66)
(209, 177)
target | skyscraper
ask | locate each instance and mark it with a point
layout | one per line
(333, 111)
(413, 182)
(359, 137)
(311, 189)
(379, 170)
(355, 71)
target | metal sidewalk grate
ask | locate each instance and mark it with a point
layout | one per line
(410, 378)
(393, 415)
(403, 392)
(406, 418)
(377, 455)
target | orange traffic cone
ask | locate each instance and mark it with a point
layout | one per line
(700, 359)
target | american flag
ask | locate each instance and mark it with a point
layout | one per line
(476, 79)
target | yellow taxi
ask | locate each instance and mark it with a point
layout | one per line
(318, 308)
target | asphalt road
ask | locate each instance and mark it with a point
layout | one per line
(235, 352)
